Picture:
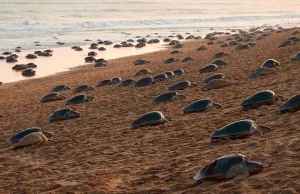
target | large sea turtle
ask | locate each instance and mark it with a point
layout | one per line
(178, 71)
(18, 136)
(264, 97)
(35, 138)
(127, 82)
(60, 88)
(82, 88)
(116, 80)
(219, 62)
(237, 130)
(262, 71)
(200, 106)
(231, 166)
(167, 96)
(53, 96)
(270, 63)
(208, 68)
(79, 99)
(149, 119)
(146, 81)
(160, 77)
(104, 82)
(28, 72)
(63, 114)
(291, 105)
(216, 84)
(143, 72)
(182, 85)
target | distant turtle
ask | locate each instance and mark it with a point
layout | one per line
(160, 77)
(79, 49)
(231, 166)
(167, 96)
(89, 59)
(63, 114)
(116, 80)
(53, 96)
(35, 138)
(210, 43)
(6, 53)
(265, 97)
(175, 52)
(149, 119)
(18, 136)
(91, 54)
(18, 67)
(143, 72)
(237, 130)
(178, 71)
(11, 60)
(208, 68)
(233, 43)
(2, 58)
(31, 56)
(28, 72)
(220, 54)
(200, 106)
(79, 99)
(291, 105)
(286, 43)
(182, 85)
(185, 59)
(262, 71)
(101, 49)
(127, 82)
(201, 48)
(242, 47)
(83, 88)
(31, 65)
(170, 60)
(104, 82)
(60, 88)
(224, 45)
(141, 62)
(296, 57)
(270, 63)
(216, 84)
(215, 76)
(101, 64)
(146, 81)
(294, 38)
(170, 74)
(219, 62)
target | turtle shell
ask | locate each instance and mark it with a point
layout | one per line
(291, 105)
(180, 85)
(63, 114)
(28, 72)
(178, 71)
(185, 59)
(296, 57)
(149, 119)
(31, 139)
(219, 168)
(174, 52)
(79, 99)
(170, 60)
(201, 48)
(262, 71)
(198, 106)
(52, 97)
(140, 62)
(18, 136)
(105, 82)
(60, 88)
(167, 96)
(143, 72)
(214, 76)
(270, 63)
(259, 98)
(160, 77)
(208, 68)
(127, 82)
(220, 54)
(146, 81)
(83, 88)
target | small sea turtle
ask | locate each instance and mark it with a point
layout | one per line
(210, 43)
(294, 38)
(233, 43)
(79, 49)
(220, 54)
(146, 81)
(262, 71)
(291, 105)
(208, 68)
(2, 58)
(296, 57)
(18, 67)
(31, 65)
(200, 106)
(28, 72)
(178, 71)
(104, 82)
(79, 99)
(175, 52)
(141, 62)
(237, 130)
(270, 63)
(170, 60)
(92, 54)
(160, 77)
(6, 53)
(89, 59)
(224, 45)
(101, 49)
(242, 47)
(116, 80)
(201, 48)
(53, 96)
(166, 40)
(35, 138)
(185, 59)
(143, 72)
(231, 166)
(286, 43)
(216, 84)
(63, 114)
(182, 85)
(18, 136)
(60, 88)
(83, 88)
(31, 56)
(167, 96)
(100, 64)
(127, 82)
(265, 97)
(170, 74)
(219, 62)
(11, 60)
(215, 76)
(149, 119)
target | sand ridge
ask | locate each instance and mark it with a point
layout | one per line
(100, 152)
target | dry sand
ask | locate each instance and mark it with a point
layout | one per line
(100, 152)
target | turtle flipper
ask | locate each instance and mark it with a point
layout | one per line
(264, 129)
(246, 108)
(216, 105)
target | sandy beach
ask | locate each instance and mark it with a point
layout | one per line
(99, 152)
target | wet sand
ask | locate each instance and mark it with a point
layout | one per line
(100, 152)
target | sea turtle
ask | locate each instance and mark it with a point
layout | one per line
(79, 49)
(143, 72)
(237, 130)
(18, 67)
(170, 60)
(38, 52)
(160, 77)
(182, 85)
(294, 38)
(286, 43)
(31, 56)
(200, 106)
(101, 49)
(91, 54)
(262, 71)
(185, 59)
(35, 138)
(220, 54)
(233, 43)
(141, 62)
(60, 88)
(178, 45)
(215, 76)
(101, 60)
(264, 97)
(101, 64)
(104, 82)
(201, 48)
(210, 43)
(6, 53)
(270, 63)
(231, 166)
(167, 96)
(18, 136)
(166, 40)
(208, 68)
(170, 74)
(224, 45)
(149, 119)
(242, 47)
(28, 72)
(89, 59)
(53, 96)
(175, 52)
(83, 88)
(296, 57)
(117, 46)
(219, 62)
(11, 60)
(63, 114)
(127, 82)
(116, 80)
(2, 58)
(31, 65)
(216, 84)
(79, 99)
(178, 71)
(146, 81)
(291, 105)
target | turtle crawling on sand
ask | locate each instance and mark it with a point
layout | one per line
(127, 82)
(143, 72)
(231, 166)
(237, 130)
(178, 71)
(35, 138)
(182, 85)
(149, 119)
(160, 77)
(208, 68)
(167, 96)
(270, 63)
(53, 96)
(79, 99)
(215, 76)
(296, 57)
(63, 114)
(141, 62)
(262, 71)
(146, 81)
(104, 82)
(83, 88)
(220, 54)
(60, 88)
(170, 60)
(28, 72)
(216, 84)
(291, 105)
(18, 136)
(265, 97)
(200, 106)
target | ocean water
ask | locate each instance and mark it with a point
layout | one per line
(71, 21)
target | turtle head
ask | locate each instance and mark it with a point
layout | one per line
(264, 129)
(74, 114)
(47, 134)
(254, 167)
(178, 97)
(216, 105)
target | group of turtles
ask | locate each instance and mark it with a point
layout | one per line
(232, 166)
